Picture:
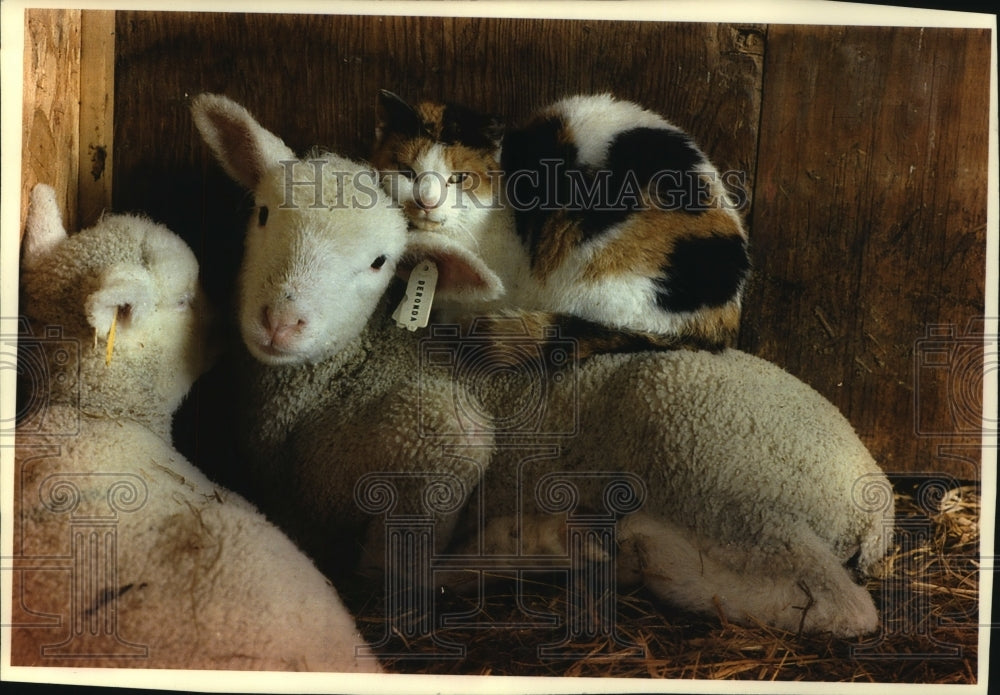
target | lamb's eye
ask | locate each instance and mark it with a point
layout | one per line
(262, 215)
(378, 262)
(457, 177)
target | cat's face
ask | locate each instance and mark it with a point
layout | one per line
(438, 161)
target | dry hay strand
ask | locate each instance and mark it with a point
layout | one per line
(928, 603)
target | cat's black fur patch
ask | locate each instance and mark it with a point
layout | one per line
(399, 116)
(463, 126)
(594, 338)
(459, 124)
(669, 156)
(702, 272)
(530, 189)
(636, 159)
(648, 151)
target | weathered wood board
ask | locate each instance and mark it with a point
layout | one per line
(50, 119)
(68, 110)
(97, 104)
(869, 230)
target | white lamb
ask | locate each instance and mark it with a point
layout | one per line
(758, 491)
(126, 555)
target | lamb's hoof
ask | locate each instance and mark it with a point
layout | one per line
(845, 614)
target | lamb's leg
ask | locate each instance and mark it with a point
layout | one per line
(509, 542)
(797, 586)
(537, 534)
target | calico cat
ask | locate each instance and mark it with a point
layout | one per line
(599, 217)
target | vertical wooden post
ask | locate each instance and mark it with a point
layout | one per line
(51, 117)
(97, 101)
(68, 110)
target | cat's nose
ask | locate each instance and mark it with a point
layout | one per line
(427, 202)
(429, 193)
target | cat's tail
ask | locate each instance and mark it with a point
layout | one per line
(520, 337)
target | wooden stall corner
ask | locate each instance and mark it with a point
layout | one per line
(68, 109)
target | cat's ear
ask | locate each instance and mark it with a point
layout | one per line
(393, 115)
(462, 274)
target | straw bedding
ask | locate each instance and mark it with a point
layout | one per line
(929, 606)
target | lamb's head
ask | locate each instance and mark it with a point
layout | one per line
(322, 244)
(126, 281)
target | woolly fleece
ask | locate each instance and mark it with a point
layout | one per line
(186, 574)
(744, 466)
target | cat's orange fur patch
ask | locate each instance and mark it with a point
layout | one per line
(482, 167)
(387, 157)
(432, 115)
(561, 236)
(645, 240)
(717, 324)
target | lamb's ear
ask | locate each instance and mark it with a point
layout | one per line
(43, 227)
(462, 275)
(245, 149)
(392, 114)
(126, 288)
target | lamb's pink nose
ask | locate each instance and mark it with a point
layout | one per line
(283, 326)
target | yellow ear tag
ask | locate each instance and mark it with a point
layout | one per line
(111, 338)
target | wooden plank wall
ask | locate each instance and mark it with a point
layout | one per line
(97, 105)
(50, 117)
(869, 229)
(864, 151)
(68, 110)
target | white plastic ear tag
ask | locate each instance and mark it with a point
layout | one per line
(415, 310)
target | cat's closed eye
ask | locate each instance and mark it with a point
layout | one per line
(457, 177)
